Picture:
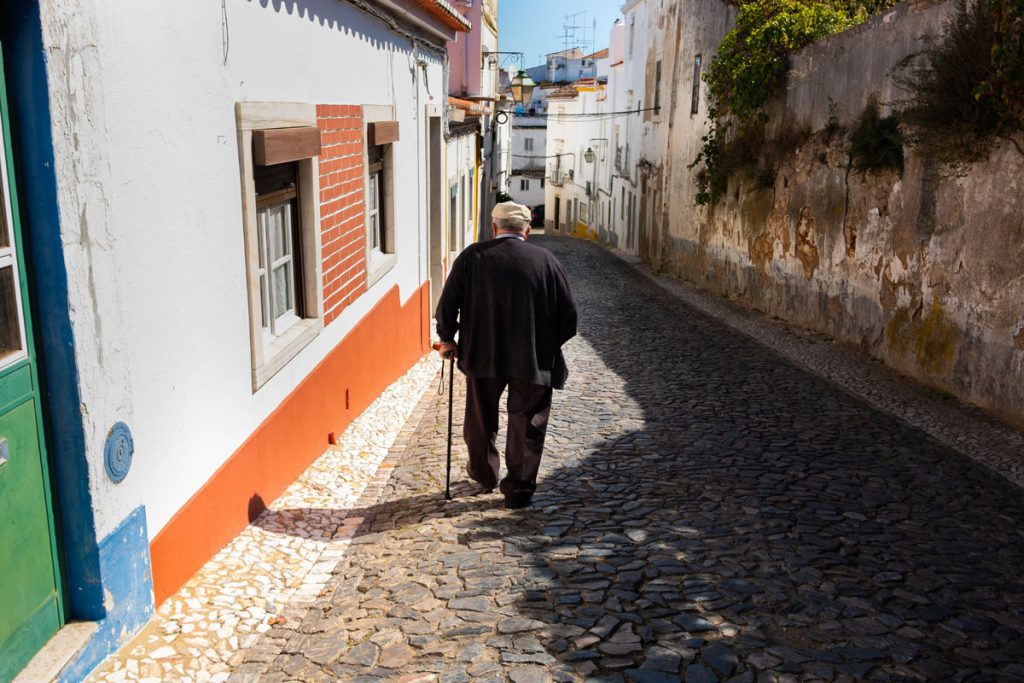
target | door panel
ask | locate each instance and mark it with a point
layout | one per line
(28, 591)
(30, 599)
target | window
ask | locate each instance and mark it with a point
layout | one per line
(695, 102)
(279, 145)
(524, 184)
(453, 217)
(528, 144)
(375, 224)
(12, 333)
(622, 204)
(278, 263)
(632, 34)
(657, 86)
(380, 141)
(462, 210)
(542, 183)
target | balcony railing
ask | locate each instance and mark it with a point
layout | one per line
(560, 176)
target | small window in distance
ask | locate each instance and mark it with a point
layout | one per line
(464, 197)
(542, 183)
(695, 103)
(657, 86)
(453, 217)
(528, 144)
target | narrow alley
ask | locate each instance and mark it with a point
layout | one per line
(707, 511)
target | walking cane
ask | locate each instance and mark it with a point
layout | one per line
(451, 385)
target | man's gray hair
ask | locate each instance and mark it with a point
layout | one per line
(513, 224)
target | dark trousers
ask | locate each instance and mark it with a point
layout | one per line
(528, 408)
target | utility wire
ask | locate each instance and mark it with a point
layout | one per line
(553, 156)
(595, 115)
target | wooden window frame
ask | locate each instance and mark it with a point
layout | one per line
(270, 355)
(9, 259)
(380, 261)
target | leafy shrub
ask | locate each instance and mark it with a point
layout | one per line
(1005, 84)
(958, 102)
(876, 143)
(750, 67)
(750, 64)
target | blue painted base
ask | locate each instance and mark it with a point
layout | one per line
(128, 585)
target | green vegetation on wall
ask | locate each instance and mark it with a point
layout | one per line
(750, 67)
(1005, 85)
(750, 64)
(876, 143)
(968, 88)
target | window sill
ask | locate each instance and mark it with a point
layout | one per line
(278, 353)
(378, 266)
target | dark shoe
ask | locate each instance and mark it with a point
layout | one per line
(484, 488)
(516, 502)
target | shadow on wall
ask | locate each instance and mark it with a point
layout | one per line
(706, 509)
(336, 15)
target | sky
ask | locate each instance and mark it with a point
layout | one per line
(535, 27)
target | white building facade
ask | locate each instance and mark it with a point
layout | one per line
(529, 140)
(230, 246)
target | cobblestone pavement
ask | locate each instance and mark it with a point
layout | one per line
(270, 572)
(707, 510)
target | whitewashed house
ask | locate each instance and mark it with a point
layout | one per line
(529, 140)
(221, 227)
(474, 91)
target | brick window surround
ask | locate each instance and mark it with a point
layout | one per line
(342, 206)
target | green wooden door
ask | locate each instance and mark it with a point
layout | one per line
(30, 599)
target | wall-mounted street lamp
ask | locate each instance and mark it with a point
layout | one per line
(485, 54)
(522, 88)
(521, 85)
(588, 156)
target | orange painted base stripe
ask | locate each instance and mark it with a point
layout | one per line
(379, 349)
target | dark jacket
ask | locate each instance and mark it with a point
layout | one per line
(511, 304)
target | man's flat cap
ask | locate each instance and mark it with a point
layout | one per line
(511, 210)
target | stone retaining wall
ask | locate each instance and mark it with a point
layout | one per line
(923, 271)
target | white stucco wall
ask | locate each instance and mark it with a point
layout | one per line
(460, 171)
(563, 138)
(151, 213)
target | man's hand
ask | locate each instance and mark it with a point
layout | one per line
(447, 350)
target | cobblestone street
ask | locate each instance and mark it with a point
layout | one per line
(708, 510)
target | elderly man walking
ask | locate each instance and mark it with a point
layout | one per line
(512, 308)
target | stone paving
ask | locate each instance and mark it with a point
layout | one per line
(708, 510)
(268, 575)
